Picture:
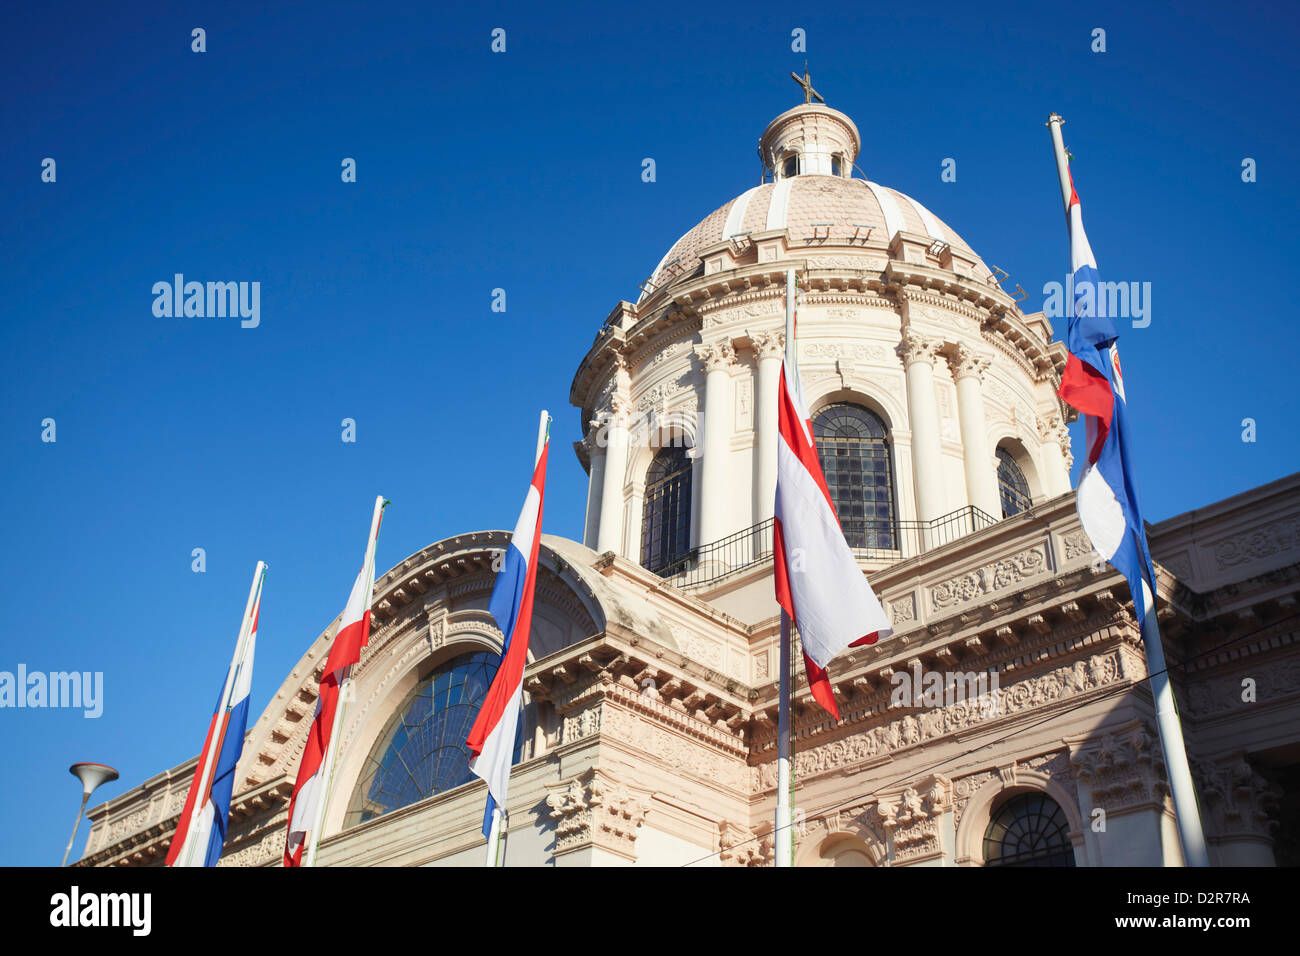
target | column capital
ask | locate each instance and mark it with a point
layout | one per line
(716, 356)
(915, 347)
(592, 442)
(617, 414)
(1052, 429)
(966, 362)
(596, 811)
(768, 345)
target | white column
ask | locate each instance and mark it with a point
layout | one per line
(595, 485)
(609, 534)
(718, 360)
(968, 367)
(770, 349)
(917, 353)
(1055, 439)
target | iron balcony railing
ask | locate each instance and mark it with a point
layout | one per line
(872, 539)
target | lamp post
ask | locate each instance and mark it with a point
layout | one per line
(91, 776)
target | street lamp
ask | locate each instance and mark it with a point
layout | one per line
(91, 776)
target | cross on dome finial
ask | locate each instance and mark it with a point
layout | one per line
(806, 82)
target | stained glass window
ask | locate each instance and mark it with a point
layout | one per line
(1012, 487)
(422, 750)
(666, 517)
(1028, 830)
(853, 447)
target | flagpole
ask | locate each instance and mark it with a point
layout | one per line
(345, 689)
(210, 755)
(1186, 809)
(784, 820)
(493, 857)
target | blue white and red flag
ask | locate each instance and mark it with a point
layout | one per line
(202, 828)
(491, 741)
(1094, 385)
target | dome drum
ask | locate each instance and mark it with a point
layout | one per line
(879, 273)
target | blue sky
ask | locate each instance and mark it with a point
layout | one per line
(518, 171)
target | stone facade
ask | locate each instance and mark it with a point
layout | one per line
(651, 703)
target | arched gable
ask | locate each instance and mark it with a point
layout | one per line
(431, 600)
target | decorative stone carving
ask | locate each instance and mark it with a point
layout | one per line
(1054, 765)
(903, 610)
(739, 846)
(1077, 545)
(596, 811)
(856, 352)
(702, 649)
(660, 396)
(1004, 573)
(676, 751)
(1238, 798)
(1067, 680)
(1261, 543)
(968, 363)
(911, 820)
(917, 348)
(767, 344)
(754, 310)
(1219, 694)
(964, 789)
(1052, 429)
(1122, 770)
(579, 724)
(437, 627)
(744, 405)
(717, 356)
(667, 352)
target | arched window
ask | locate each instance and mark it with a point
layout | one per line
(846, 852)
(1012, 487)
(422, 750)
(1028, 830)
(666, 518)
(853, 447)
(790, 166)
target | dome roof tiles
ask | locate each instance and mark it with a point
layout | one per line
(796, 204)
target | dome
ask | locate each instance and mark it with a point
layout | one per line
(817, 210)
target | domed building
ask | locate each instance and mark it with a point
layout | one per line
(648, 735)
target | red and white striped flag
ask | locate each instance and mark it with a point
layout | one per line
(818, 581)
(309, 791)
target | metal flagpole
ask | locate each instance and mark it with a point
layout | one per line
(784, 819)
(493, 857)
(210, 756)
(1186, 809)
(345, 690)
(494, 838)
(784, 833)
(327, 778)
